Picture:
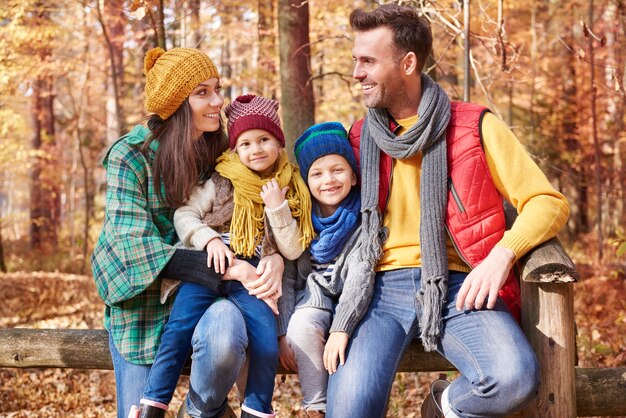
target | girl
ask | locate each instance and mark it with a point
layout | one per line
(150, 172)
(257, 203)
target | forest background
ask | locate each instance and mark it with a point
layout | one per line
(71, 82)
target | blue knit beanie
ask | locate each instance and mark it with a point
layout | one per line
(323, 139)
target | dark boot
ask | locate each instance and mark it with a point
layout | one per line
(148, 411)
(431, 407)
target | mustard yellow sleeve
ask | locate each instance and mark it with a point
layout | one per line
(542, 210)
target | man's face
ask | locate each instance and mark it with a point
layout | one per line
(377, 68)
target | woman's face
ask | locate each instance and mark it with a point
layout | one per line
(206, 102)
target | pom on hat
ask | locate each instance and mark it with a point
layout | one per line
(323, 139)
(151, 58)
(253, 112)
(171, 77)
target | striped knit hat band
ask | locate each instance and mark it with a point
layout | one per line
(320, 140)
(253, 112)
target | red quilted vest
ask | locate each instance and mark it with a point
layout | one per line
(475, 215)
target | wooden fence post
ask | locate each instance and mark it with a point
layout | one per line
(548, 322)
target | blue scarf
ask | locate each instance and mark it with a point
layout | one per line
(334, 231)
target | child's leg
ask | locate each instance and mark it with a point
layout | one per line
(262, 347)
(191, 302)
(306, 335)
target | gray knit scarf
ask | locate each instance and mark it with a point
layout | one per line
(427, 136)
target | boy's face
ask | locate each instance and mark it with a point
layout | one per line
(258, 150)
(330, 180)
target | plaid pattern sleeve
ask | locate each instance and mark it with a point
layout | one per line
(136, 242)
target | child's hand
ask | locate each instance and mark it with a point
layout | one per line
(335, 348)
(241, 271)
(217, 254)
(270, 272)
(287, 358)
(272, 194)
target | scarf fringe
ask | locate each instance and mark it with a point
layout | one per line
(432, 297)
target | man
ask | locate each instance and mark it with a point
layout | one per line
(433, 178)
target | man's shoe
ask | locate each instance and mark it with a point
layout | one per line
(431, 407)
(315, 414)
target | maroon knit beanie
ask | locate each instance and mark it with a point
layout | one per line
(253, 112)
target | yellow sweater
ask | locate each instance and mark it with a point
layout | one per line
(542, 210)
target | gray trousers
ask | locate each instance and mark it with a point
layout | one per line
(306, 335)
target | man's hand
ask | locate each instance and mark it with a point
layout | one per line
(335, 349)
(486, 280)
(217, 254)
(270, 272)
(287, 358)
(272, 194)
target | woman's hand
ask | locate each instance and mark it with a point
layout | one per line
(285, 353)
(335, 349)
(272, 194)
(486, 280)
(217, 254)
(270, 272)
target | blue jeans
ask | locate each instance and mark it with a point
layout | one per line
(219, 344)
(499, 371)
(191, 302)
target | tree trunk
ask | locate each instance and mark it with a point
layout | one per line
(45, 201)
(466, 51)
(297, 101)
(45, 197)
(266, 83)
(614, 117)
(160, 25)
(533, 72)
(112, 23)
(195, 26)
(227, 69)
(3, 266)
(594, 134)
(157, 23)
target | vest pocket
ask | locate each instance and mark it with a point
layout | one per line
(456, 197)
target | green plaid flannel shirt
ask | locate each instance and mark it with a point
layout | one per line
(136, 242)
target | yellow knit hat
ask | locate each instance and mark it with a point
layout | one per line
(171, 77)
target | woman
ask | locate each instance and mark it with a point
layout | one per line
(150, 172)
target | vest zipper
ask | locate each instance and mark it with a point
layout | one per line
(458, 251)
(455, 195)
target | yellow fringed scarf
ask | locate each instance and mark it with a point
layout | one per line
(247, 224)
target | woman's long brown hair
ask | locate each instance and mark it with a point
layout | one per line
(182, 160)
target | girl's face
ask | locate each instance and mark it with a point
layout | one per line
(206, 102)
(258, 150)
(330, 180)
